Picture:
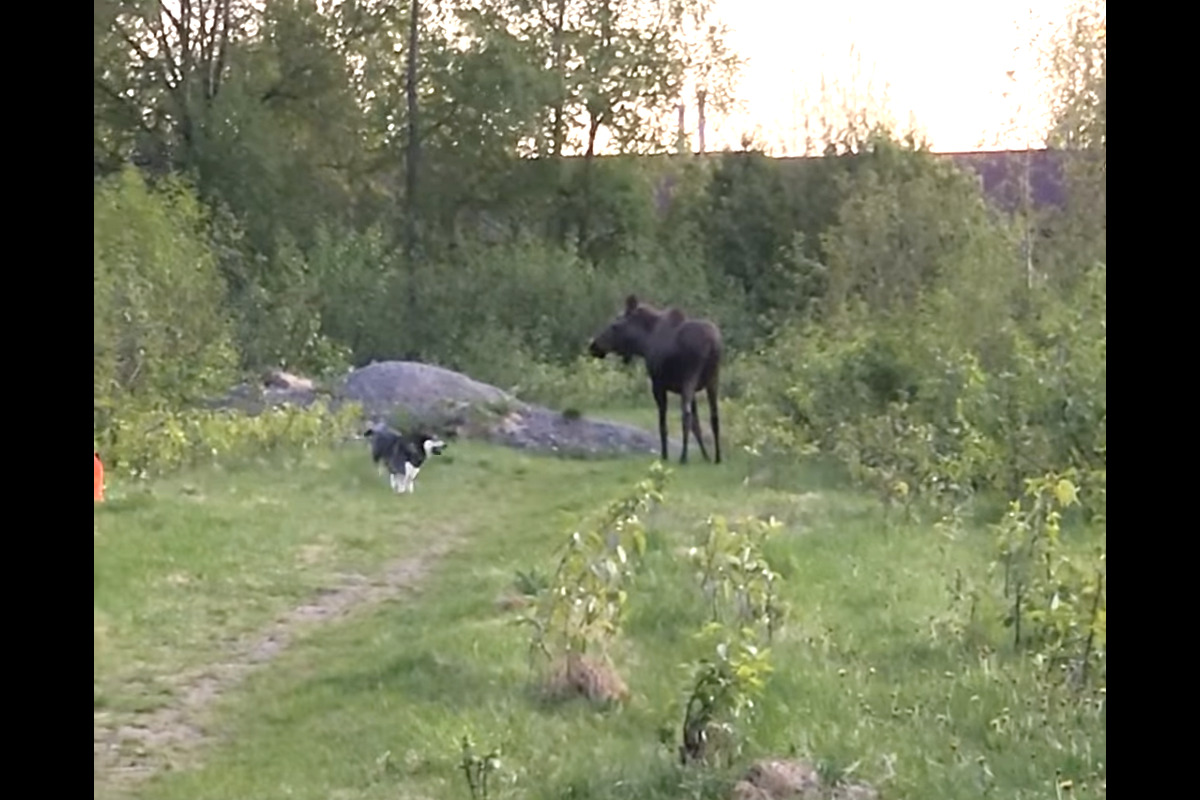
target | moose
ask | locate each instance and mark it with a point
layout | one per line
(682, 356)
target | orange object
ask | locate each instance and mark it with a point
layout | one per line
(97, 478)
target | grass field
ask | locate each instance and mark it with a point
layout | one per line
(290, 629)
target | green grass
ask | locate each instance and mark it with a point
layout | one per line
(373, 706)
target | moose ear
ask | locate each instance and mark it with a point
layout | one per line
(631, 303)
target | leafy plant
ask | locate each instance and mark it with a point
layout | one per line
(532, 582)
(1056, 601)
(161, 334)
(741, 589)
(735, 576)
(141, 443)
(724, 689)
(582, 608)
(478, 769)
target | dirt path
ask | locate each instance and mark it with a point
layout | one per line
(128, 748)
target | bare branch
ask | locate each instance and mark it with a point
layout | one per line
(148, 60)
(207, 30)
(214, 80)
(164, 42)
(184, 26)
(175, 22)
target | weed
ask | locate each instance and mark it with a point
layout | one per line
(477, 769)
(582, 608)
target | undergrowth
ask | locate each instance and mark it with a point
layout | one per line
(139, 444)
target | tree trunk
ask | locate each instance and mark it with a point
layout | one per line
(414, 144)
(585, 218)
(1027, 244)
(700, 97)
(681, 137)
(559, 67)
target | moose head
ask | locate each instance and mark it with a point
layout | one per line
(626, 334)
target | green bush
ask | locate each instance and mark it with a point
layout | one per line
(907, 222)
(582, 608)
(353, 274)
(161, 333)
(280, 306)
(151, 442)
(912, 405)
(1044, 594)
(584, 384)
(514, 313)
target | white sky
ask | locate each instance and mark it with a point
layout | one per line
(945, 62)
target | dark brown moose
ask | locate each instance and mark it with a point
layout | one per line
(682, 356)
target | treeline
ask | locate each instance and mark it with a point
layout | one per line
(736, 236)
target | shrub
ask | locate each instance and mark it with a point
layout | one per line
(739, 585)
(912, 406)
(1054, 596)
(161, 336)
(156, 441)
(581, 609)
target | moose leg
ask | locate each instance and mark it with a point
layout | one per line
(695, 417)
(714, 418)
(687, 401)
(660, 398)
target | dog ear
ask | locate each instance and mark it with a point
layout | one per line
(631, 303)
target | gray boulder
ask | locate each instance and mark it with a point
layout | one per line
(422, 390)
(537, 428)
(452, 403)
(442, 397)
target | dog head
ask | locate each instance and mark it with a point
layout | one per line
(431, 445)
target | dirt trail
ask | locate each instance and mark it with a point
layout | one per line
(128, 748)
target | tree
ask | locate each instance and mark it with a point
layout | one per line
(907, 222)
(160, 331)
(1076, 61)
(164, 64)
(615, 67)
(413, 146)
(711, 69)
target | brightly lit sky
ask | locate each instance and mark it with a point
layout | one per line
(944, 62)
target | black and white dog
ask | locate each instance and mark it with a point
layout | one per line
(402, 455)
